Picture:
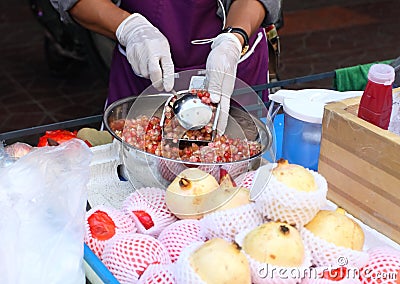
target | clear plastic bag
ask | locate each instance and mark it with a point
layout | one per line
(42, 215)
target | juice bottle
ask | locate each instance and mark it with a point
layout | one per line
(376, 101)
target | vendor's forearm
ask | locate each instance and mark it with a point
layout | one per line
(246, 14)
(101, 16)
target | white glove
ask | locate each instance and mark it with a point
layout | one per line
(221, 73)
(147, 50)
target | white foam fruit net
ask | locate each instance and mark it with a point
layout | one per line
(170, 169)
(127, 256)
(245, 179)
(236, 169)
(325, 253)
(179, 235)
(122, 224)
(226, 224)
(263, 273)
(332, 276)
(158, 274)
(152, 201)
(185, 273)
(383, 266)
(281, 203)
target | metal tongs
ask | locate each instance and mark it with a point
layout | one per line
(191, 113)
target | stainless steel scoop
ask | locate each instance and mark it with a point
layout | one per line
(191, 112)
(192, 115)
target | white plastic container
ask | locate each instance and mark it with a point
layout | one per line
(302, 132)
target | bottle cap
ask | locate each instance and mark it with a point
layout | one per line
(381, 74)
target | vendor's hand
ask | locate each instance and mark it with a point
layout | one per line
(221, 73)
(147, 50)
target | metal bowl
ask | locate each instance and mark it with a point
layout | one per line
(144, 169)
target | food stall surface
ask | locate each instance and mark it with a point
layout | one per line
(317, 36)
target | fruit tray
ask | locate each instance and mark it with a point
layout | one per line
(108, 187)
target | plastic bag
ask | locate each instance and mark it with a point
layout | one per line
(5, 157)
(394, 124)
(42, 215)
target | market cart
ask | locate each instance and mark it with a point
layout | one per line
(98, 273)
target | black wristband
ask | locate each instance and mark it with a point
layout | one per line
(243, 33)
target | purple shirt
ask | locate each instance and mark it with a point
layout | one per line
(181, 22)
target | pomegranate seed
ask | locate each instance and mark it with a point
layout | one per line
(145, 133)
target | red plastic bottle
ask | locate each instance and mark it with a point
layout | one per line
(376, 101)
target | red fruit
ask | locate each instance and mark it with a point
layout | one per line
(222, 172)
(143, 132)
(117, 124)
(154, 123)
(335, 274)
(56, 136)
(144, 218)
(101, 225)
(148, 202)
(200, 94)
(127, 256)
(88, 143)
(227, 156)
(225, 177)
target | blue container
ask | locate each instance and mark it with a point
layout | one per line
(276, 150)
(302, 132)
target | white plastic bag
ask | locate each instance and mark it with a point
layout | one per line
(42, 215)
(394, 124)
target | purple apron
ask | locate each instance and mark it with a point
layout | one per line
(181, 22)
